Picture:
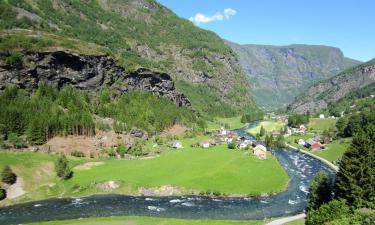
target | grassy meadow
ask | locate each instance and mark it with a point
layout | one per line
(321, 124)
(268, 125)
(334, 150)
(232, 123)
(217, 169)
(193, 170)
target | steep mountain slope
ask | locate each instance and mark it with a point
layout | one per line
(280, 73)
(137, 33)
(320, 95)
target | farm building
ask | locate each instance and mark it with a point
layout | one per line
(177, 144)
(205, 144)
(316, 146)
(260, 151)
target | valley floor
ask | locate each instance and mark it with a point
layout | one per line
(190, 170)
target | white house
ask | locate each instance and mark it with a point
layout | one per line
(205, 144)
(228, 139)
(301, 142)
(242, 145)
(321, 116)
(223, 132)
(260, 151)
(177, 144)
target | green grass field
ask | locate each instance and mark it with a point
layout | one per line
(297, 222)
(318, 124)
(216, 169)
(196, 170)
(37, 172)
(133, 220)
(334, 150)
(233, 122)
(268, 126)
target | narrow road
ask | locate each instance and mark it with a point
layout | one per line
(287, 219)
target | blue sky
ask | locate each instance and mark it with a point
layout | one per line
(346, 24)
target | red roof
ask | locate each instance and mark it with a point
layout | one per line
(315, 145)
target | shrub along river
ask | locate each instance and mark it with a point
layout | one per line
(300, 168)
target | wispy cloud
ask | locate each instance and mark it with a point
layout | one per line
(218, 16)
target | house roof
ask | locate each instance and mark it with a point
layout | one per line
(261, 147)
(310, 142)
(315, 145)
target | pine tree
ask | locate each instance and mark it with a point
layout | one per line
(320, 191)
(355, 181)
(62, 168)
(262, 131)
(8, 176)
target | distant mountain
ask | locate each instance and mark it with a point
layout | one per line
(280, 73)
(137, 34)
(330, 91)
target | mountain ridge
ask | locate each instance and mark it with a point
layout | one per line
(330, 91)
(140, 34)
(280, 73)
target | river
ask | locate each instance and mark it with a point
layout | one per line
(301, 169)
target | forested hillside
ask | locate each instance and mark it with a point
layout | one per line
(137, 33)
(280, 73)
(48, 112)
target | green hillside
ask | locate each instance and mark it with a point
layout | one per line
(137, 33)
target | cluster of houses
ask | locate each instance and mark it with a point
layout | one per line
(297, 130)
(223, 136)
(315, 143)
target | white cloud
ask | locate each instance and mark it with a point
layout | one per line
(219, 16)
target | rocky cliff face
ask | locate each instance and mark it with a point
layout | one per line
(320, 95)
(280, 73)
(84, 72)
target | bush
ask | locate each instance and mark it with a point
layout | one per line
(62, 168)
(15, 59)
(136, 149)
(77, 154)
(232, 145)
(8, 176)
(3, 194)
(121, 150)
(334, 210)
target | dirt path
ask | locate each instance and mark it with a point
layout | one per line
(15, 190)
(287, 219)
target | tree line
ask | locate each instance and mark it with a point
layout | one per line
(350, 199)
(35, 118)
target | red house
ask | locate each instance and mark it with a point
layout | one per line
(315, 146)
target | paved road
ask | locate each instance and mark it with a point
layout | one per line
(287, 219)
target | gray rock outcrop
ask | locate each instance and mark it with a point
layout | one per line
(85, 72)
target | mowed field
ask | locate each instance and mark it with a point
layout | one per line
(268, 126)
(321, 124)
(232, 123)
(334, 150)
(217, 169)
(133, 220)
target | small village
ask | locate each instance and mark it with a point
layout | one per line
(232, 139)
(308, 139)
